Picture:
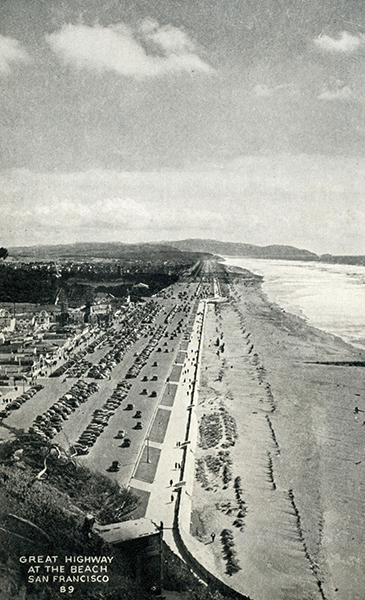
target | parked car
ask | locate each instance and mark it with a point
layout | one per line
(114, 466)
(13, 405)
(120, 435)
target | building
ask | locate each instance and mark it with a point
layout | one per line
(142, 540)
(7, 321)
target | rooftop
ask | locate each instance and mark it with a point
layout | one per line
(126, 530)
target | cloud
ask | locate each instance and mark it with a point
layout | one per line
(242, 199)
(105, 206)
(337, 90)
(169, 39)
(108, 213)
(345, 43)
(146, 51)
(11, 51)
(287, 89)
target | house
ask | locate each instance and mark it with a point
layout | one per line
(7, 321)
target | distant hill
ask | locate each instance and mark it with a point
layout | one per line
(173, 250)
(115, 250)
(343, 260)
(89, 250)
(247, 250)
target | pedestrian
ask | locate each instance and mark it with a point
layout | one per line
(171, 482)
(212, 535)
(172, 498)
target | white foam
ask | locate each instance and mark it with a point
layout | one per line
(330, 297)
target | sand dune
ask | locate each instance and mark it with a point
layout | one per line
(298, 450)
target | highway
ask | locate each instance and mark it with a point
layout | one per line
(149, 396)
(150, 392)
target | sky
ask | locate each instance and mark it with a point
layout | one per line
(136, 121)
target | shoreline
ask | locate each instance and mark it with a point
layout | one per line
(309, 293)
(298, 451)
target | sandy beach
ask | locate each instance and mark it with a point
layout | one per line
(280, 461)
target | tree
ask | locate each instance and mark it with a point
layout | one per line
(3, 253)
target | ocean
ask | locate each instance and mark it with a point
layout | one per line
(330, 297)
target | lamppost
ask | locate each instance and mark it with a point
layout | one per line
(148, 449)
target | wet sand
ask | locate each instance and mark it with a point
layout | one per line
(299, 450)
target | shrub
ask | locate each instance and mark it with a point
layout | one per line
(237, 488)
(232, 566)
(238, 522)
(210, 430)
(227, 474)
(229, 553)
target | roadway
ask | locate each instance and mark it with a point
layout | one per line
(157, 480)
